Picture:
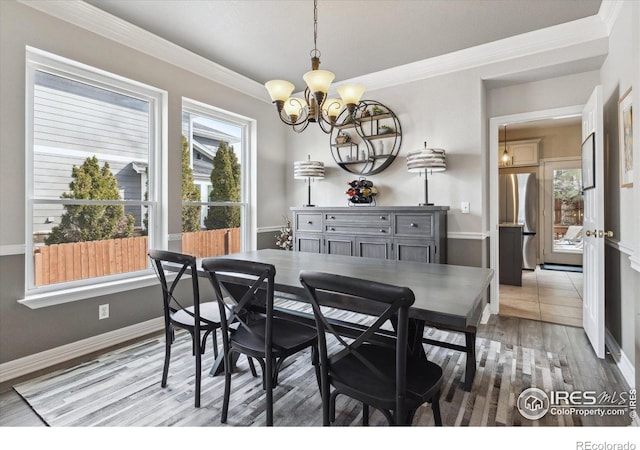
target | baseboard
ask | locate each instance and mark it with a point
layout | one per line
(32, 363)
(623, 363)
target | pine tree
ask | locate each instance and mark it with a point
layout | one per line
(82, 223)
(225, 181)
(190, 193)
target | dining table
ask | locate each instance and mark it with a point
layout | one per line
(447, 297)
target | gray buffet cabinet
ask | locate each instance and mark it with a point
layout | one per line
(406, 233)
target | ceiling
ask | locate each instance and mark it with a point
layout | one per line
(271, 39)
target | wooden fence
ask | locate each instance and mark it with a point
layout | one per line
(79, 260)
(202, 244)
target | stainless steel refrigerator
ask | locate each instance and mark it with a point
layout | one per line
(519, 205)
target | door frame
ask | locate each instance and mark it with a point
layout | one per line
(495, 124)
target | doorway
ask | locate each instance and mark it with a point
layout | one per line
(496, 124)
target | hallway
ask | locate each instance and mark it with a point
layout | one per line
(547, 295)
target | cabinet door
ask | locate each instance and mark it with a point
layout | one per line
(369, 247)
(416, 250)
(308, 243)
(339, 245)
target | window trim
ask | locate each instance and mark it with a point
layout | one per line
(39, 60)
(248, 167)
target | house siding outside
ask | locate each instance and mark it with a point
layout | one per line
(74, 121)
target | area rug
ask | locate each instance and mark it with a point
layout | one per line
(561, 267)
(122, 388)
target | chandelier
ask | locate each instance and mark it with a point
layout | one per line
(315, 106)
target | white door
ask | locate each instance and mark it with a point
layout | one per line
(593, 234)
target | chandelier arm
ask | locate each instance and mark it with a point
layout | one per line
(325, 125)
(300, 126)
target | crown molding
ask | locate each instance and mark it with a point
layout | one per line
(609, 11)
(106, 25)
(564, 35)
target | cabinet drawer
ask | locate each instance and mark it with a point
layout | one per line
(415, 225)
(309, 222)
(367, 219)
(357, 230)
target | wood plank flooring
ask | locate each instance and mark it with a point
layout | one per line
(569, 345)
(547, 295)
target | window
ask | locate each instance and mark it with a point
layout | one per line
(93, 175)
(215, 188)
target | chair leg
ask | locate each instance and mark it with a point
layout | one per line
(332, 406)
(252, 367)
(365, 414)
(316, 364)
(167, 357)
(214, 338)
(198, 377)
(268, 379)
(227, 387)
(435, 406)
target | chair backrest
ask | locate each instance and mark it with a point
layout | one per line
(574, 233)
(184, 264)
(249, 295)
(387, 302)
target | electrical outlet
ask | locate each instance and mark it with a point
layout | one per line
(103, 312)
(464, 207)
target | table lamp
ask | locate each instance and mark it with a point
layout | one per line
(427, 160)
(308, 170)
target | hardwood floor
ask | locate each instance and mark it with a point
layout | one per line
(547, 295)
(588, 371)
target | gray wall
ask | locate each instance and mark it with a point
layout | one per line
(619, 72)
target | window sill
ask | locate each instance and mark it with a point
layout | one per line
(59, 297)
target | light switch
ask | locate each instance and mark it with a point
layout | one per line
(464, 207)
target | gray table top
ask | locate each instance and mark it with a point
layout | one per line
(445, 294)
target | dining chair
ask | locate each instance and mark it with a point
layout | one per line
(256, 333)
(367, 366)
(186, 312)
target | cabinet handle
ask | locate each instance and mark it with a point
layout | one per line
(413, 225)
(332, 229)
(331, 217)
(383, 218)
(382, 230)
(309, 222)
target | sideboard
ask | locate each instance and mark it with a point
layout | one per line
(406, 233)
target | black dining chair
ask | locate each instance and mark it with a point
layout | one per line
(371, 366)
(256, 333)
(187, 312)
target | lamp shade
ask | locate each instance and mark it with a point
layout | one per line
(432, 159)
(351, 93)
(293, 106)
(279, 89)
(318, 80)
(308, 169)
(332, 107)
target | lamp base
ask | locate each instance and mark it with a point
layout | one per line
(425, 204)
(308, 206)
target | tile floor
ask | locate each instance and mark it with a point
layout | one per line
(547, 295)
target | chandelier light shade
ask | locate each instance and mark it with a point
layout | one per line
(308, 171)
(315, 107)
(427, 160)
